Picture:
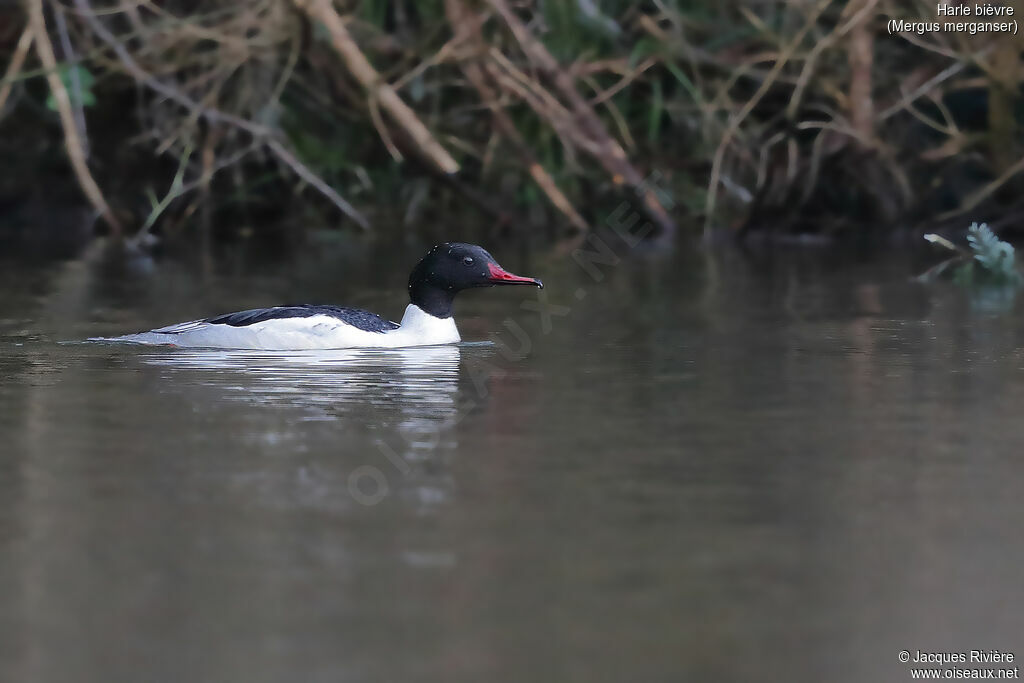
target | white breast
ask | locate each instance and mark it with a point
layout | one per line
(418, 328)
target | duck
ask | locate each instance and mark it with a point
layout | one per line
(437, 278)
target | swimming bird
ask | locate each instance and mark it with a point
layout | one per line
(445, 271)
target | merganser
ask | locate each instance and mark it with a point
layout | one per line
(444, 272)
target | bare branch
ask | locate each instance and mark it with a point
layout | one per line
(467, 30)
(608, 152)
(14, 68)
(72, 141)
(262, 133)
(357, 63)
(282, 153)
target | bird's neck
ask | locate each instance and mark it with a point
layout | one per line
(431, 299)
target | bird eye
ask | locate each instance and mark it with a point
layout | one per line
(468, 261)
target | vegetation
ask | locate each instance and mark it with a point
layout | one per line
(989, 261)
(798, 115)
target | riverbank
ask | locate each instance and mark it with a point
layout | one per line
(787, 120)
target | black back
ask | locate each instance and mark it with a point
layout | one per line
(356, 317)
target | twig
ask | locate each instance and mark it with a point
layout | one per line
(940, 268)
(213, 115)
(608, 152)
(555, 114)
(72, 141)
(626, 79)
(737, 119)
(323, 11)
(466, 30)
(960, 256)
(175, 191)
(151, 82)
(617, 117)
(529, 89)
(303, 172)
(373, 106)
(978, 196)
(928, 85)
(857, 20)
(943, 242)
(860, 58)
(78, 97)
(14, 68)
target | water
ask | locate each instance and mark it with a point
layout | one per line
(698, 468)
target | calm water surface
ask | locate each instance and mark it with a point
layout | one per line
(698, 468)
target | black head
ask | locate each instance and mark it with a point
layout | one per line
(452, 267)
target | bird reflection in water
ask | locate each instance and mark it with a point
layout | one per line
(388, 410)
(425, 377)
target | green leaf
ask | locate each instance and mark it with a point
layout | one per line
(645, 47)
(68, 75)
(995, 256)
(684, 81)
(417, 88)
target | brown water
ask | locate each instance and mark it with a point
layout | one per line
(704, 468)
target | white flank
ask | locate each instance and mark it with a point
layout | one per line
(418, 328)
